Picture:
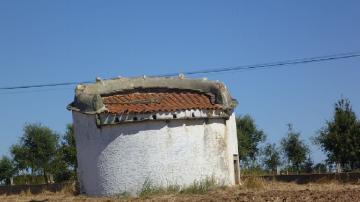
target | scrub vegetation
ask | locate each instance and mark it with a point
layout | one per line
(197, 187)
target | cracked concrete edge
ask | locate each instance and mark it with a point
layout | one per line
(88, 96)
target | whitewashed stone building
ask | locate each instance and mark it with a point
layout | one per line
(167, 131)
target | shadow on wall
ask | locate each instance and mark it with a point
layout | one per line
(132, 128)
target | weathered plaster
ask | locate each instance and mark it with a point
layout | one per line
(117, 158)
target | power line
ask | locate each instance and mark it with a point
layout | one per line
(217, 70)
(41, 90)
(273, 64)
(42, 85)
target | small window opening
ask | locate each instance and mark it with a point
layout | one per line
(174, 116)
(154, 116)
(193, 115)
(117, 120)
(135, 118)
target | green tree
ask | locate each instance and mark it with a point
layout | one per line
(272, 158)
(36, 149)
(320, 168)
(7, 169)
(308, 165)
(249, 138)
(294, 149)
(20, 158)
(340, 137)
(60, 168)
(66, 162)
(68, 146)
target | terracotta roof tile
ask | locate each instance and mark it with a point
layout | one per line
(146, 102)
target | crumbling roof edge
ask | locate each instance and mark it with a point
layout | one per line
(88, 96)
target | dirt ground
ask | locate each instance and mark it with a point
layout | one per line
(268, 191)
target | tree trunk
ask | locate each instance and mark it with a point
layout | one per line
(32, 174)
(45, 177)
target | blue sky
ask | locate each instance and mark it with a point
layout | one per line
(59, 41)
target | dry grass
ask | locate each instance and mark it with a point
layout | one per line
(254, 189)
(26, 193)
(253, 182)
(69, 189)
(197, 187)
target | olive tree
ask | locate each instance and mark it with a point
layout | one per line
(7, 169)
(271, 157)
(249, 139)
(36, 149)
(295, 150)
(340, 137)
(65, 163)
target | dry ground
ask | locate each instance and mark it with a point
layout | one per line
(263, 191)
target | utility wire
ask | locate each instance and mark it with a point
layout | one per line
(36, 90)
(43, 85)
(226, 69)
(272, 64)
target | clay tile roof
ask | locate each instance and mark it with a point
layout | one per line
(147, 102)
(143, 94)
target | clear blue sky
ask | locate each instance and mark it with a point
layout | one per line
(58, 41)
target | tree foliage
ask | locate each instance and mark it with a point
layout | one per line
(20, 159)
(294, 149)
(340, 137)
(68, 146)
(308, 166)
(272, 158)
(249, 138)
(36, 149)
(65, 160)
(320, 168)
(7, 169)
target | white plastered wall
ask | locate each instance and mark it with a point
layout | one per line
(119, 158)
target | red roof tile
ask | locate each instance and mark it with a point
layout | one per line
(146, 102)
